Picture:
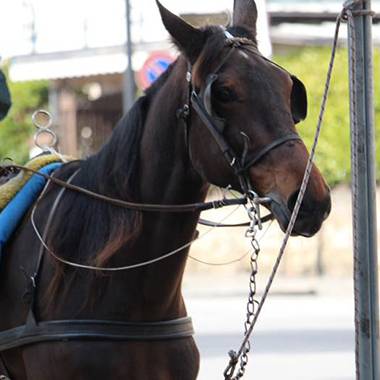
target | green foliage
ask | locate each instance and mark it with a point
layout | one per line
(333, 153)
(17, 128)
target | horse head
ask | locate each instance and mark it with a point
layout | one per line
(254, 106)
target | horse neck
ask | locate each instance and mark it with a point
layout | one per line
(165, 169)
(167, 177)
(146, 160)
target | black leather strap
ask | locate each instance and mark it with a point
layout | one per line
(209, 223)
(95, 330)
(255, 158)
(208, 121)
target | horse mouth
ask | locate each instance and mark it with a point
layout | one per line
(307, 223)
(280, 213)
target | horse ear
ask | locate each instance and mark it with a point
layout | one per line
(298, 100)
(245, 15)
(187, 38)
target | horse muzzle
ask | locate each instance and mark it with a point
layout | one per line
(310, 217)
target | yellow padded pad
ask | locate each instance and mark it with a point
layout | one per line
(14, 185)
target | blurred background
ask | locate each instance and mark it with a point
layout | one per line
(72, 58)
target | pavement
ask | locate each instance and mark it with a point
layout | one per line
(305, 331)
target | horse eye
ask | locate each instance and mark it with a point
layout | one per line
(225, 94)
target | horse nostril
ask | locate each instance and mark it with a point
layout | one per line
(292, 200)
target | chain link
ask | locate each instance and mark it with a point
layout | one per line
(253, 212)
(251, 304)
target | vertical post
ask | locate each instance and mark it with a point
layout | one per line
(320, 268)
(68, 132)
(364, 192)
(128, 78)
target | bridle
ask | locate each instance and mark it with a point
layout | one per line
(201, 104)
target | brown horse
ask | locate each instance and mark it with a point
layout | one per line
(154, 157)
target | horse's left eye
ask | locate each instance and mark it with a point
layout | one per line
(225, 94)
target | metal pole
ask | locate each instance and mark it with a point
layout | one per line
(129, 88)
(364, 193)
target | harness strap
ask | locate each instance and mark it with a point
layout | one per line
(227, 151)
(191, 207)
(209, 223)
(69, 330)
(255, 158)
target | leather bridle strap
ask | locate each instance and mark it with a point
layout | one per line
(174, 208)
(208, 121)
(255, 158)
(228, 152)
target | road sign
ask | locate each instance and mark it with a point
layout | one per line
(154, 66)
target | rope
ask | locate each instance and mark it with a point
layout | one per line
(235, 356)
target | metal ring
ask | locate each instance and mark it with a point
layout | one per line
(52, 144)
(42, 126)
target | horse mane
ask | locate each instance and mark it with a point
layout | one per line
(92, 232)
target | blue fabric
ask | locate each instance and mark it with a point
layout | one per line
(13, 213)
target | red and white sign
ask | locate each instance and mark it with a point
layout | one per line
(154, 66)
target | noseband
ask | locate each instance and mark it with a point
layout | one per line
(201, 103)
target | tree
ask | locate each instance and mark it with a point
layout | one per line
(17, 128)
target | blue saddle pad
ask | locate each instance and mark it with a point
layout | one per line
(12, 215)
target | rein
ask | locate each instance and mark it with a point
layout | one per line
(42, 237)
(190, 207)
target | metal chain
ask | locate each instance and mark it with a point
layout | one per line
(251, 304)
(251, 233)
(242, 353)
